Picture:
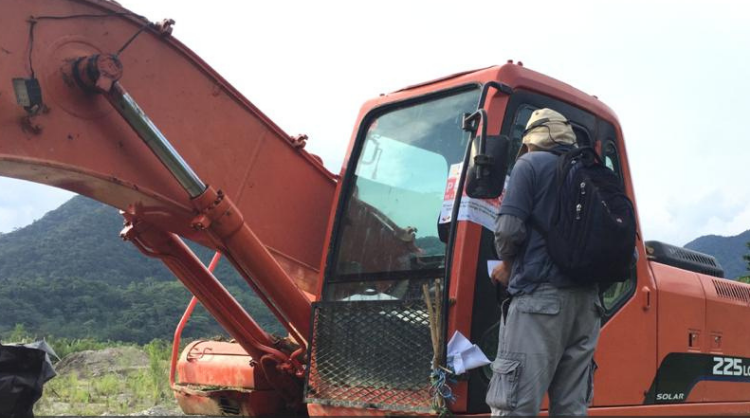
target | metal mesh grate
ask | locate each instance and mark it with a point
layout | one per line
(371, 354)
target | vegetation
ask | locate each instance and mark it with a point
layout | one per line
(80, 309)
(111, 392)
(68, 275)
(62, 346)
(119, 391)
(69, 279)
(746, 257)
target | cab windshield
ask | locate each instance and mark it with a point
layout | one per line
(389, 230)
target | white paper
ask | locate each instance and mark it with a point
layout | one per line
(463, 355)
(458, 343)
(370, 296)
(473, 358)
(491, 264)
(479, 211)
(457, 364)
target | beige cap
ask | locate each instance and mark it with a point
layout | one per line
(547, 129)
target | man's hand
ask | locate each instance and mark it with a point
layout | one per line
(501, 273)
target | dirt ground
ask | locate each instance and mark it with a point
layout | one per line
(112, 381)
(94, 363)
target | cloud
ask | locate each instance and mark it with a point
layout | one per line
(671, 70)
(22, 202)
(681, 219)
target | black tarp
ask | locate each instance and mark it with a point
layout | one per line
(23, 371)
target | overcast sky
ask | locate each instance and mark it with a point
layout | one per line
(675, 73)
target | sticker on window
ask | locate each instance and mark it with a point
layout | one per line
(479, 211)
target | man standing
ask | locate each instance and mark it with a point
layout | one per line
(550, 330)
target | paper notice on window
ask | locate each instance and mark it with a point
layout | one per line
(480, 211)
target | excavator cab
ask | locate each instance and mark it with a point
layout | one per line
(413, 228)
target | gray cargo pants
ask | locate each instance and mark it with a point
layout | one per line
(547, 342)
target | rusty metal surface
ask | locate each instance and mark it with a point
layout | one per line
(79, 143)
(220, 378)
(218, 364)
(230, 403)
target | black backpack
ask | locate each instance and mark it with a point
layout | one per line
(592, 230)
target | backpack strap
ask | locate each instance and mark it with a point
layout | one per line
(566, 154)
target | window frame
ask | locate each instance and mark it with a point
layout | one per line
(348, 182)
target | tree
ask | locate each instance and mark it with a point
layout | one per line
(746, 257)
(18, 335)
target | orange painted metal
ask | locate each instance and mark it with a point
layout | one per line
(629, 349)
(274, 357)
(154, 242)
(178, 338)
(626, 353)
(466, 248)
(243, 248)
(215, 211)
(79, 143)
(681, 310)
(215, 376)
(237, 372)
(183, 321)
(706, 409)
(624, 374)
(727, 321)
(276, 226)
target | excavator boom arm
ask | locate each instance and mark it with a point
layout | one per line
(227, 178)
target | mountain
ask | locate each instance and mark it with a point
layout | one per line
(727, 250)
(69, 274)
(79, 239)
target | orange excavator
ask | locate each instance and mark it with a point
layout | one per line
(370, 271)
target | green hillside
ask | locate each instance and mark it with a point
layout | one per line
(70, 275)
(727, 250)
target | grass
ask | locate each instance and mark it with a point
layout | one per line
(110, 393)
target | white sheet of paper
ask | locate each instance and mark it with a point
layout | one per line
(458, 364)
(458, 343)
(473, 358)
(491, 264)
(463, 355)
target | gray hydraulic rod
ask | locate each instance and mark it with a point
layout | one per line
(156, 141)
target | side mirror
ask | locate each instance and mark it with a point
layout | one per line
(485, 177)
(493, 167)
(488, 161)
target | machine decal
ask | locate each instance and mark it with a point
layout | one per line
(729, 366)
(680, 372)
(480, 211)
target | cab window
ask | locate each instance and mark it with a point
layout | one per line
(616, 294)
